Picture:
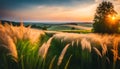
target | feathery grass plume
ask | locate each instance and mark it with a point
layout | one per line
(97, 51)
(7, 45)
(107, 39)
(9, 29)
(115, 51)
(38, 35)
(66, 66)
(104, 49)
(23, 33)
(77, 42)
(44, 48)
(72, 43)
(85, 45)
(62, 54)
(67, 36)
(52, 62)
(115, 48)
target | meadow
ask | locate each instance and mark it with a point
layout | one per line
(29, 48)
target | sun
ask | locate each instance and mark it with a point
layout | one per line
(113, 17)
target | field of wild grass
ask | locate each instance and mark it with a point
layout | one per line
(26, 48)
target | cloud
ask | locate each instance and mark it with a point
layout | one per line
(97, 0)
(16, 4)
(108, 0)
(61, 10)
(57, 13)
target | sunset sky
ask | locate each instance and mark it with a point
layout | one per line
(51, 10)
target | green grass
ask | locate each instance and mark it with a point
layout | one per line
(76, 31)
(57, 28)
(86, 24)
(28, 54)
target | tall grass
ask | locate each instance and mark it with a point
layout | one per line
(89, 51)
(25, 48)
(19, 47)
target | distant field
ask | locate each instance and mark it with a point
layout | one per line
(86, 24)
(55, 26)
(59, 27)
(76, 31)
(70, 27)
(81, 28)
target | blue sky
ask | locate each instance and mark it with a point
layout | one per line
(50, 10)
(20, 3)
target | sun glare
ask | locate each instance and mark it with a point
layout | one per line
(113, 17)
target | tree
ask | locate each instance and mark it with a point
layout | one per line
(105, 19)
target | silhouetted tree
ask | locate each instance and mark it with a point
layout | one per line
(104, 19)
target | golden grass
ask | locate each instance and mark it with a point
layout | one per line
(62, 54)
(9, 35)
(44, 48)
(85, 45)
(22, 32)
(7, 45)
(93, 41)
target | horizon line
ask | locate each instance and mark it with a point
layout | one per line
(46, 21)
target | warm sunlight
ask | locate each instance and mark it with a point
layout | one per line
(113, 17)
(59, 34)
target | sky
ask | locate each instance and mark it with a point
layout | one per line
(51, 10)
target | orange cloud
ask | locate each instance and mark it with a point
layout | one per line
(57, 13)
